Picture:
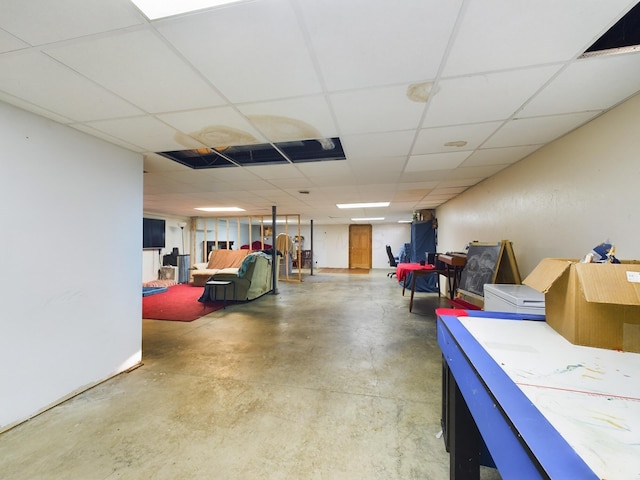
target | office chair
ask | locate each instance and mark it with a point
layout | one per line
(393, 261)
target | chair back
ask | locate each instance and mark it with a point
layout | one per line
(392, 259)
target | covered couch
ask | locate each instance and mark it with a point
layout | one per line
(220, 260)
(252, 280)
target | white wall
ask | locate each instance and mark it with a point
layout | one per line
(331, 244)
(71, 218)
(562, 200)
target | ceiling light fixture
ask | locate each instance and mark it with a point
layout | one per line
(363, 205)
(155, 9)
(367, 219)
(221, 209)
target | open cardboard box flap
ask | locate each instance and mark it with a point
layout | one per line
(599, 283)
(547, 272)
(609, 284)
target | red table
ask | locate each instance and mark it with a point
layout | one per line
(403, 270)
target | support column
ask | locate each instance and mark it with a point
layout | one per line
(274, 255)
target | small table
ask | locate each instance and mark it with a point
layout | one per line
(455, 263)
(404, 269)
(224, 284)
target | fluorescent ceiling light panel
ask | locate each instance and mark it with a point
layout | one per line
(155, 9)
(221, 209)
(362, 205)
(368, 219)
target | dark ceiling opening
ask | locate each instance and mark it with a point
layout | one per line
(299, 151)
(625, 33)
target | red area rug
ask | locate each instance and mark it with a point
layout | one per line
(179, 303)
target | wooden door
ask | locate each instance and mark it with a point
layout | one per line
(360, 246)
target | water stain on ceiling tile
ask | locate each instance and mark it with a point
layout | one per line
(420, 92)
(281, 129)
(293, 141)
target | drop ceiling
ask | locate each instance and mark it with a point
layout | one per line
(426, 97)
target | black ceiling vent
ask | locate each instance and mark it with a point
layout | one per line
(623, 35)
(299, 151)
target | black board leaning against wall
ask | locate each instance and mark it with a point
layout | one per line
(481, 267)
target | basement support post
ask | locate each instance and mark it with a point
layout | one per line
(274, 254)
(311, 266)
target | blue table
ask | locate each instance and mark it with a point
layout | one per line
(544, 408)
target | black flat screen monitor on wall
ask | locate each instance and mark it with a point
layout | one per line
(153, 233)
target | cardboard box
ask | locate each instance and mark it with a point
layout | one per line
(591, 304)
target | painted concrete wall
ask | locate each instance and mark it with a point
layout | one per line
(71, 221)
(562, 200)
(331, 244)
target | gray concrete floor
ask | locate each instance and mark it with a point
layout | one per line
(332, 378)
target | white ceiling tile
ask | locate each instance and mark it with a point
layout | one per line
(433, 140)
(164, 82)
(381, 190)
(329, 168)
(484, 98)
(417, 188)
(603, 81)
(333, 180)
(293, 119)
(260, 42)
(55, 87)
(504, 34)
(380, 176)
(9, 43)
(358, 29)
(34, 108)
(379, 165)
(435, 161)
(106, 137)
(538, 130)
(214, 127)
(269, 172)
(292, 185)
(376, 110)
(205, 179)
(384, 144)
(409, 197)
(233, 175)
(146, 132)
(42, 21)
(424, 176)
(499, 156)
